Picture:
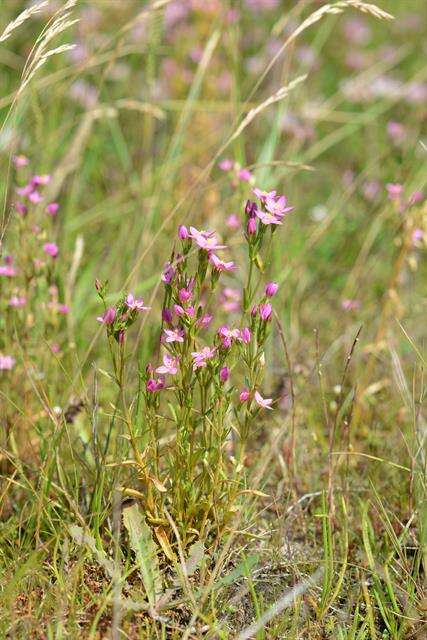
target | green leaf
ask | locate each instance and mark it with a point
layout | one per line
(145, 549)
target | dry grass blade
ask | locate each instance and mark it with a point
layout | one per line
(23, 17)
(280, 605)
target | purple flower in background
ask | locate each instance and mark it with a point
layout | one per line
(244, 395)
(6, 363)
(51, 249)
(224, 374)
(17, 301)
(226, 165)
(52, 208)
(349, 304)
(20, 161)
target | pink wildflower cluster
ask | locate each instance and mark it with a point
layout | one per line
(237, 173)
(119, 318)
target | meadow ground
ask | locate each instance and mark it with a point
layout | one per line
(147, 489)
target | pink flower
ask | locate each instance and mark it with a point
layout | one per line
(155, 385)
(263, 402)
(200, 357)
(277, 206)
(265, 311)
(245, 335)
(37, 180)
(35, 197)
(394, 190)
(6, 363)
(263, 195)
(21, 208)
(52, 208)
(228, 335)
(184, 295)
(170, 365)
(244, 395)
(266, 218)
(416, 197)
(168, 273)
(108, 317)
(417, 236)
(396, 132)
(219, 264)
(271, 289)
(135, 303)
(174, 335)
(244, 175)
(204, 321)
(205, 240)
(7, 270)
(24, 192)
(226, 165)
(350, 305)
(224, 374)
(230, 299)
(17, 301)
(63, 309)
(51, 249)
(20, 161)
(233, 221)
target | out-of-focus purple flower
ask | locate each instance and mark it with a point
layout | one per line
(6, 363)
(233, 221)
(271, 289)
(52, 208)
(227, 336)
(224, 374)
(349, 304)
(200, 358)
(230, 299)
(174, 335)
(170, 365)
(51, 249)
(7, 270)
(63, 309)
(394, 190)
(21, 208)
(416, 197)
(244, 175)
(357, 31)
(20, 161)
(417, 236)
(40, 180)
(135, 303)
(370, 189)
(108, 316)
(35, 197)
(244, 395)
(265, 311)
(226, 165)
(17, 301)
(396, 132)
(264, 403)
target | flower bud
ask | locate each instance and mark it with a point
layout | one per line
(265, 311)
(244, 395)
(271, 289)
(251, 227)
(183, 232)
(224, 374)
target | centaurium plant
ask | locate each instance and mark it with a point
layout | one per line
(208, 380)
